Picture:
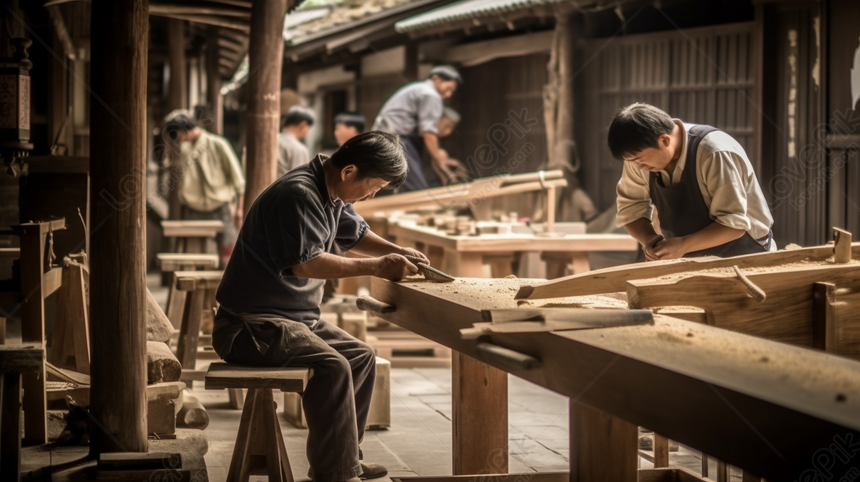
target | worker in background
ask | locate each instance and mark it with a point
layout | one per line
(414, 112)
(707, 196)
(347, 125)
(270, 293)
(212, 183)
(447, 123)
(295, 125)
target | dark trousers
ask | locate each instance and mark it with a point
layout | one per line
(337, 398)
(415, 179)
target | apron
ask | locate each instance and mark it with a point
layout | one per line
(682, 210)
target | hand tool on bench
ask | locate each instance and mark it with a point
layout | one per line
(757, 293)
(432, 274)
(516, 320)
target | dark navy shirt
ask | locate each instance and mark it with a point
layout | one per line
(293, 221)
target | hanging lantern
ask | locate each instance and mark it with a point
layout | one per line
(15, 107)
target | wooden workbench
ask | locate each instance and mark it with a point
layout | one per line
(763, 406)
(464, 255)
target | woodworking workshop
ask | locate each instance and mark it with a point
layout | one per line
(430, 240)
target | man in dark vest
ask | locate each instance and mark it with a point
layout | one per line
(707, 196)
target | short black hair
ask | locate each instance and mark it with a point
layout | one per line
(351, 119)
(178, 123)
(636, 128)
(376, 154)
(296, 115)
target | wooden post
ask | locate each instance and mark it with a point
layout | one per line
(33, 244)
(265, 57)
(177, 98)
(480, 417)
(213, 83)
(120, 35)
(842, 251)
(602, 447)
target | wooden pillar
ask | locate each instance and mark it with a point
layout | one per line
(265, 57)
(603, 448)
(213, 83)
(177, 98)
(120, 34)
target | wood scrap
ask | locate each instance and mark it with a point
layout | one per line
(161, 364)
(193, 414)
(613, 279)
(842, 250)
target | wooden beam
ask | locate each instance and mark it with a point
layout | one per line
(156, 9)
(824, 316)
(477, 53)
(265, 56)
(225, 22)
(213, 82)
(120, 34)
(610, 280)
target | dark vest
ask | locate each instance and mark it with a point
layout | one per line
(682, 209)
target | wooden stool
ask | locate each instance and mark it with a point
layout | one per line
(259, 448)
(198, 286)
(191, 236)
(171, 262)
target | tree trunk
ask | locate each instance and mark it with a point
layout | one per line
(120, 32)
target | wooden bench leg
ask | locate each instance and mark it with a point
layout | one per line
(186, 349)
(237, 398)
(602, 447)
(260, 448)
(10, 427)
(661, 451)
(480, 417)
(175, 305)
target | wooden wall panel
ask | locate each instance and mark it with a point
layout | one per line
(703, 75)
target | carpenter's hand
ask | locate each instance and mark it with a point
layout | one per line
(672, 248)
(395, 267)
(414, 256)
(649, 247)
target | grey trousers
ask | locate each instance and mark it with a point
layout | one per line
(337, 398)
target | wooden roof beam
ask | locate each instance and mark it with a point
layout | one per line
(159, 8)
(209, 20)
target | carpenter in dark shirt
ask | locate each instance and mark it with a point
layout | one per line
(272, 287)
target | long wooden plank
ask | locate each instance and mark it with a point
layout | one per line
(191, 228)
(225, 375)
(786, 315)
(613, 279)
(442, 196)
(752, 402)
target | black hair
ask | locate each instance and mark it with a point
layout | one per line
(178, 123)
(296, 115)
(351, 119)
(376, 154)
(636, 128)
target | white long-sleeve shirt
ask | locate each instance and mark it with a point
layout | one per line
(726, 179)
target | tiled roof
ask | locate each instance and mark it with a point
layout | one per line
(466, 9)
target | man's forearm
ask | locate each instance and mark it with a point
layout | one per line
(330, 266)
(715, 234)
(642, 230)
(374, 245)
(431, 143)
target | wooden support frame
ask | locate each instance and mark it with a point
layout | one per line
(653, 364)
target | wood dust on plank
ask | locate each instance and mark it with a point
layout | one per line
(491, 293)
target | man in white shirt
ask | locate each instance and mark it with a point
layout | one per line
(707, 196)
(212, 183)
(295, 125)
(413, 113)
